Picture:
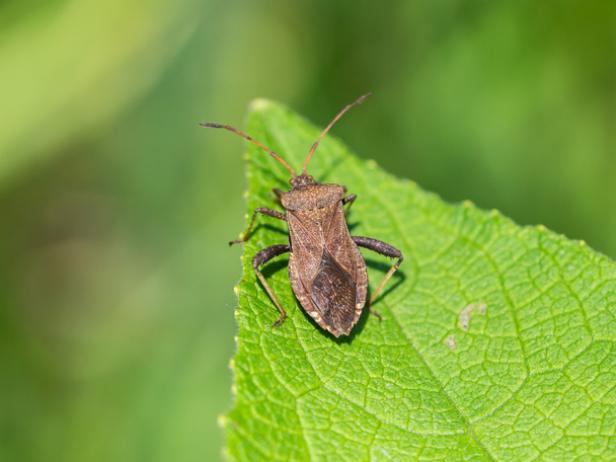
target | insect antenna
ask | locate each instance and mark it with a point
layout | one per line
(331, 124)
(253, 141)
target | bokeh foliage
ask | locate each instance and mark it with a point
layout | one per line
(116, 310)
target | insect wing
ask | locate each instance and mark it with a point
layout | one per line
(327, 272)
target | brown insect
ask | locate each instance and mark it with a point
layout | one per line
(328, 274)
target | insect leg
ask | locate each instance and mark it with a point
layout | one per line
(384, 249)
(349, 200)
(263, 256)
(265, 211)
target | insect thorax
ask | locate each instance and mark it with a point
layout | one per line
(313, 196)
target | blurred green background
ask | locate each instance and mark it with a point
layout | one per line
(116, 301)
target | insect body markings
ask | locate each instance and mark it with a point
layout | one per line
(327, 273)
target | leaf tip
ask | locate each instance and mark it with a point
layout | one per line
(371, 164)
(258, 104)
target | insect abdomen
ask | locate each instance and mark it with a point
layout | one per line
(333, 292)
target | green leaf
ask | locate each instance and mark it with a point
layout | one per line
(497, 341)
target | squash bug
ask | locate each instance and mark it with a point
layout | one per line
(327, 273)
